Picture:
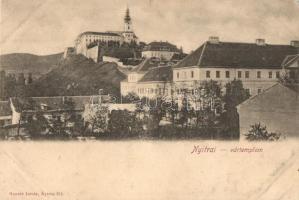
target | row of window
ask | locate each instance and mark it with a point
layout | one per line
(152, 91)
(185, 74)
(227, 74)
(161, 91)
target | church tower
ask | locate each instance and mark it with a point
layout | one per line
(128, 22)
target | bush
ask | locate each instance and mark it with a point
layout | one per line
(260, 133)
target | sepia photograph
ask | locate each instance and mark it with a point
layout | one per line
(112, 83)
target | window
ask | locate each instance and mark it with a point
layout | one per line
(259, 90)
(247, 74)
(258, 74)
(184, 74)
(270, 74)
(239, 74)
(227, 74)
(247, 91)
(192, 74)
(277, 74)
(178, 75)
(208, 74)
(217, 74)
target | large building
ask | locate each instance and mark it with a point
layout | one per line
(258, 65)
(148, 79)
(85, 39)
(161, 50)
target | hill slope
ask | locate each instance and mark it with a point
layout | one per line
(78, 75)
(29, 62)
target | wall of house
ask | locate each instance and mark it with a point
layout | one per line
(285, 122)
(146, 89)
(254, 82)
(5, 120)
(127, 87)
(82, 42)
(158, 54)
(134, 77)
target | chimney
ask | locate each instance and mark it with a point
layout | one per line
(260, 42)
(295, 43)
(214, 39)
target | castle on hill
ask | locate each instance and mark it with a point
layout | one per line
(86, 39)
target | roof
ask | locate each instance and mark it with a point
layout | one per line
(158, 74)
(54, 103)
(294, 87)
(146, 64)
(238, 55)
(98, 33)
(161, 46)
(286, 101)
(5, 108)
(290, 59)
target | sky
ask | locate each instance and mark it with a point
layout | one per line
(49, 26)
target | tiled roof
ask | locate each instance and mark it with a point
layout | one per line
(146, 64)
(238, 55)
(98, 33)
(160, 46)
(290, 59)
(158, 74)
(287, 100)
(5, 108)
(55, 103)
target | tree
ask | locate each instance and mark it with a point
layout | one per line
(36, 124)
(99, 119)
(208, 96)
(235, 94)
(259, 132)
(123, 123)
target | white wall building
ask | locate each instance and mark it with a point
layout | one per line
(258, 64)
(162, 50)
(86, 38)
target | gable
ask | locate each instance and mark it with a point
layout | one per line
(278, 98)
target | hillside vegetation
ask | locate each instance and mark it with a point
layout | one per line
(78, 75)
(30, 62)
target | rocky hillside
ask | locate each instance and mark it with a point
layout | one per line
(78, 75)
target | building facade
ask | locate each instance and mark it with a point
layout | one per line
(85, 39)
(161, 50)
(258, 65)
(149, 79)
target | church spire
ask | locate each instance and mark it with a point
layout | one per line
(128, 21)
(127, 17)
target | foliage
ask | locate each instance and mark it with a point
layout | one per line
(36, 124)
(286, 79)
(124, 124)
(99, 119)
(258, 132)
(235, 93)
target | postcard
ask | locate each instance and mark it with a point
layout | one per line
(153, 100)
